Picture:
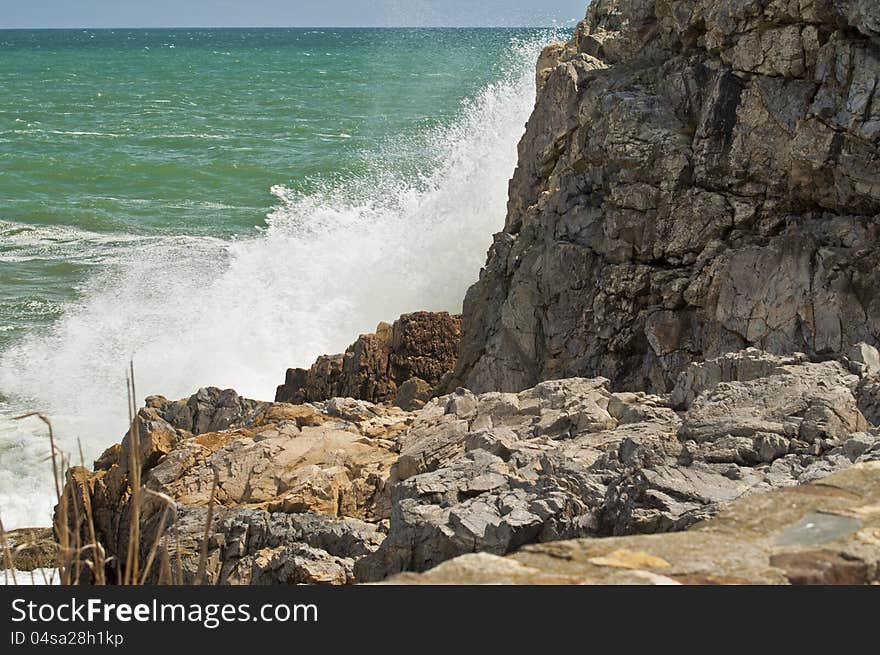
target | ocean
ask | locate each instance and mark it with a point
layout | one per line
(219, 205)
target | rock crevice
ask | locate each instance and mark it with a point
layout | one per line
(696, 178)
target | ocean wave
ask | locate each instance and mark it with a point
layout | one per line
(328, 265)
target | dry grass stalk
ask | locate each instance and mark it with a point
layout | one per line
(134, 473)
(203, 550)
(7, 553)
(74, 557)
(169, 505)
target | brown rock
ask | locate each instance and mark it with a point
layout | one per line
(820, 567)
(412, 394)
(334, 460)
(30, 548)
(422, 345)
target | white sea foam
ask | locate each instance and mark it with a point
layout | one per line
(200, 311)
(37, 577)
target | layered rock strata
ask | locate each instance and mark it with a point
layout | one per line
(257, 464)
(827, 532)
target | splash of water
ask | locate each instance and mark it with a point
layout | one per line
(195, 311)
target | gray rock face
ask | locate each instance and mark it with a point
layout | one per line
(346, 491)
(569, 458)
(251, 546)
(697, 177)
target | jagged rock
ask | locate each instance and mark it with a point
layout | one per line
(868, 398)
(825, 533)
(863, 359)
(749, 364)
(298, 564)
(678, 316)
(334, 459)
(696, 177)
(413, 394)
(345, 490)
(813, 404)
(251, 546)
(494, 471)
(422, 345)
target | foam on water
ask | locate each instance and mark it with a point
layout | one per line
(37, 577)
(193, 311)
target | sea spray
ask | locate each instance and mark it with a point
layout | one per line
(330, 263)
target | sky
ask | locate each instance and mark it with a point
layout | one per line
(288, 13)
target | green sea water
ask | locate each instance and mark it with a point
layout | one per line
(218, 205)
(186, 131)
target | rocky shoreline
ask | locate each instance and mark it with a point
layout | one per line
(666, 373)
(345, 490)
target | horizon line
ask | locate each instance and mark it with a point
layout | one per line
(570, 23)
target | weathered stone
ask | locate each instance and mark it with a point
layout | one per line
(29, 549)
(334, 459)
(696, 178)
(413, 394)
(820, 567)
(493, 471)
(678, 316)
(863, 359)
(739, 546)
(344, 490)
(422, 345)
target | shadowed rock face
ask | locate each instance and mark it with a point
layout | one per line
(419, 348)
(697, 177)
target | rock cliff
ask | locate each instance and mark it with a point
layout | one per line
(697, 177)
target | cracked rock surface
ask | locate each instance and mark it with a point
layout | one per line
(346, 491)
(697, 177)
(570, 458)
